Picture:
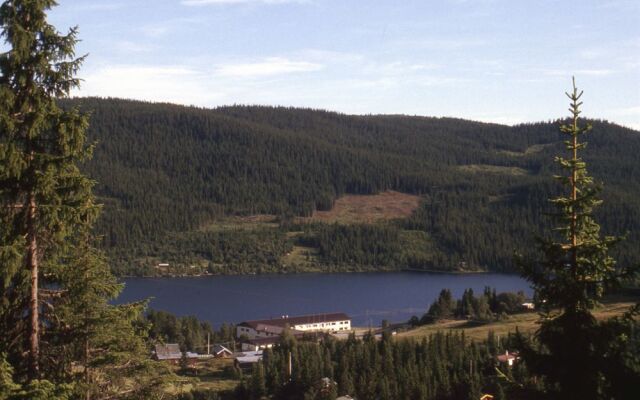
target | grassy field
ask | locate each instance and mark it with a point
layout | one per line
(246, 223)
(347, 209)
(206, 374)
(304, 257)
(493, 169)
(351, 209)
(536, 148)
(526, 323)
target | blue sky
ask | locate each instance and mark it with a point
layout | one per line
(505, 61)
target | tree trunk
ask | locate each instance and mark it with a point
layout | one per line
(574, 194)
(87, 377)
(32, 265)
(87, 348)
(574, 179)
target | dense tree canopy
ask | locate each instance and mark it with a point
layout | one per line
(442, 366)
(167, 174)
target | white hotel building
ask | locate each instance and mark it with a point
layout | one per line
(330, 323)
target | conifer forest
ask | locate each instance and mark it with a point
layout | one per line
(97, 189)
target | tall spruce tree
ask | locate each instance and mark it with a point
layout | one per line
(575, 272)
(42, 192)
(50, 270)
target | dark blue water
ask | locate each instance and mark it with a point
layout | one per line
(367, 298)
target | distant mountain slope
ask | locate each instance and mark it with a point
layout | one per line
(165, 170)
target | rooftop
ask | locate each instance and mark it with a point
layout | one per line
(265, 324)
(217, 349)
(508, 356)
(264, 341)
(249, 357)
(170, 351)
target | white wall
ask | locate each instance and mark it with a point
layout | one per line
(252, 333)
(333, 326)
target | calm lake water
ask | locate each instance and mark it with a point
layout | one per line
(367, 298)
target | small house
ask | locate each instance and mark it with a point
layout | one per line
(171, 353)
(259, 343)
(508, 358)
(219, 351)
(168, 352)
(528, 306)
(246, 360)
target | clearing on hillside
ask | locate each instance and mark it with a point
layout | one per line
(533, 149)
(368, 208)
(493, 169)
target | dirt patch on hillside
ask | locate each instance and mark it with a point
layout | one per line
(368, 208)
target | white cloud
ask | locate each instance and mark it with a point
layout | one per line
(441, 43)
(577, 73)
(551, 72)
(618, 5)
(330, 57)
(496, 119)
(154, 31)
(127, 46)
(591, 54)
(397, 68)
(178, 84)
(215, 2)
(106, 6)
(268, 67)
(169, 26)
(628, 111)
(595, 72)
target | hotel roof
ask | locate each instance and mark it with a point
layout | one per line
(266, 324)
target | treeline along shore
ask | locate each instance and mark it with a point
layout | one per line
(175, 180)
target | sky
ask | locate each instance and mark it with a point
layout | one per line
(504, 61)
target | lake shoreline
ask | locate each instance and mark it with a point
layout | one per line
(366, 271)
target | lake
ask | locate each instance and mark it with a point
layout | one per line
(368, 298)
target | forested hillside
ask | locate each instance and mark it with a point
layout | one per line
(174, 180)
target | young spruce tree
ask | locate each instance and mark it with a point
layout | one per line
(575, 353)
